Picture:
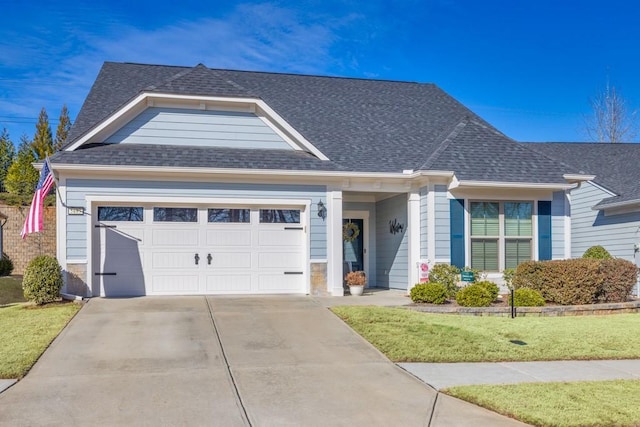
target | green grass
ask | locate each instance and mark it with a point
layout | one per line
(25, 333)
(597, 403)
(11, 290)
(409, 336)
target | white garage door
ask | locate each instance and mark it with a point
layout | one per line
(165, 250)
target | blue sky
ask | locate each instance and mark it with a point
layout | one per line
(527, 67)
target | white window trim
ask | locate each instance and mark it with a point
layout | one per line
(502, 237)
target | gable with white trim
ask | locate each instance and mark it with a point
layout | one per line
(176, 126)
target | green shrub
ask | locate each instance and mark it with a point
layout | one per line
(6, 265)
(474, 296)
(525, 297)
(42, 280)
(597, 252)
(446, 275)
(620, 276)
(431, 292)
(578, 281)
(493, 289)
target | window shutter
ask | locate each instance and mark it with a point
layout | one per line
(457, 232)
(544, 230)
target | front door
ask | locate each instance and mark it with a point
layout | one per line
(353, 244)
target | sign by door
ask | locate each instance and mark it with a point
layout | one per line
(423, 271)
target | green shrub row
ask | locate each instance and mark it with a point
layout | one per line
(475, 295)
(525, 297)
(578, 281)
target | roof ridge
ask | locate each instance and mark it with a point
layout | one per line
(447, 140)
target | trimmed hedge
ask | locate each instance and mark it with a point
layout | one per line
(434, 293)
(42, 280)
(578, 281)
(474, 296)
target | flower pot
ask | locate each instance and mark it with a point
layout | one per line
(356, 290)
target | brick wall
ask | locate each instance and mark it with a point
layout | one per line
(22, 251)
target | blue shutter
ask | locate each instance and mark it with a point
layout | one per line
(456, 213)
(544, 230)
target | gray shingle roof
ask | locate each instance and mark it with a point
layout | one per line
(359, 124)
(192, 156)
(615, 165)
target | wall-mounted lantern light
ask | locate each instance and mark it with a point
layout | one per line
(322, 210)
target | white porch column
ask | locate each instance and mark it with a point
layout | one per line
(413, 230)
(334, 243)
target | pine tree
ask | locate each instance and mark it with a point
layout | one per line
(63, 128)
(7, 154)
(42, 141)
(22, 177)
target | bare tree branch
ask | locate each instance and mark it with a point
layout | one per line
(611, 120)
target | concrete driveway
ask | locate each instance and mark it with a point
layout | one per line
(222, 361)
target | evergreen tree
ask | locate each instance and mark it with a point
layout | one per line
(42, 141)
(22, 177)
(63, 128)
(7, 154)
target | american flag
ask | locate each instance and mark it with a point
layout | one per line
(33, 222)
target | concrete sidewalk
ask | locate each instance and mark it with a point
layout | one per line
(443, 375)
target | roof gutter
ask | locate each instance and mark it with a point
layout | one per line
(626, 204)
(511, 185)
(405, 175)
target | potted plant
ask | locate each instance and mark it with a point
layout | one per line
(356, 280)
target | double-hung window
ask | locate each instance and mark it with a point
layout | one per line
(501, 234)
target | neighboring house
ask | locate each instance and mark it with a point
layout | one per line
(190, 180)
(606, 210)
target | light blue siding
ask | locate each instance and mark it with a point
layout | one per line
(616, 233)
(392, 260)
(174, 126)
(443, 224)
(78, 189)
(557, 225)
(371, 208)
(424, 223)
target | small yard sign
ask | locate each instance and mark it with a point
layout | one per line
(467, 276)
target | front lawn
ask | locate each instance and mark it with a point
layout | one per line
(26, 331)
(409, 336)
(597, 403)
(11, 290)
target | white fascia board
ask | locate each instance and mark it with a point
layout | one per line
(575, 177)
(504, 184)
(63, 167)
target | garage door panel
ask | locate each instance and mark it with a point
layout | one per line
(175, 237)
(240, 260)
(279, 260)
(228, 238)
(228, 282)
(175, 283)
(121, 238)
(280, 282)
(162, 260)
(279, 237)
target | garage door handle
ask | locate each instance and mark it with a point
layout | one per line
(106, 274)
(196, 258)
(293, 272)
(209, 258)
(294, 228)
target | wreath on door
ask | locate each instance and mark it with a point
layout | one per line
(350, 232)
